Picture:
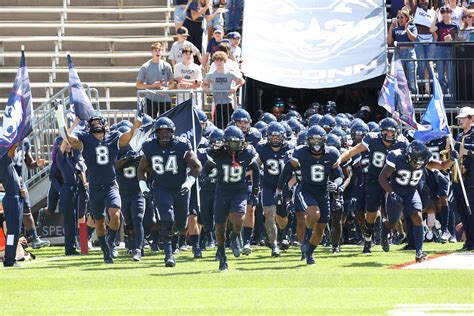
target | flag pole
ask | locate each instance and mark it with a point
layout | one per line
(198, 199)
(451, 143)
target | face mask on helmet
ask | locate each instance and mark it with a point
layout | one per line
(416, 162)
(276, 140)
(316, 144)
(164, 136)
(389, 135)
(243, 125)
(233, 145)
(97, 125)
(216, 144)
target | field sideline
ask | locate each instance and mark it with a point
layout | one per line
(347, 283)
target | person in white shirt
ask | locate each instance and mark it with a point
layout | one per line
(234, 38)
(189, 76)
(176, 55)
(230, 65)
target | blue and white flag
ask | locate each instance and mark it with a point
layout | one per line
(186, 126)
(17, 120)
(79, 101)
(434, 123)
(395, 95)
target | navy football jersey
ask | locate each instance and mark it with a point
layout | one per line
(287, 158)
(127, 177)
(436, 146)
(405, 178)
(315, 171)
(100, 156)
(378, 152)
(66, 164)
(211, 177)
(21, 151)
(272, 161)
(231, 170)
(207, 131)
(168, 164)
(253, 137)
(9, 176)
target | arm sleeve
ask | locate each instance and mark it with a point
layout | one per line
(337, 175)
(285, 175)
(255, 176)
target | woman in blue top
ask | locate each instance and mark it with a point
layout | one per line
(446, 32)
(403, 31)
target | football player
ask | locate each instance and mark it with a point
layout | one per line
(399, 178)
(317, 163)
(100, 149)
(165, 160)
(232, 161)
(378, 145)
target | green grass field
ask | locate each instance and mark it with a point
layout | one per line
(347, 283)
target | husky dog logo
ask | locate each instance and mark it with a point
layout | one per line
(12, 120)
(324, 30)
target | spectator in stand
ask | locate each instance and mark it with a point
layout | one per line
(222, 80)
(155, 74)
(446, 32)
(466, 32)
(230, 65)
(189, 76)
(278, 108)
(423, 17)
(195, 13)
(215, 16)
(179, 13)
(175, 52)
(456, 14)
(234, 14)
(234, 38)
(213, 45)
(404, 31)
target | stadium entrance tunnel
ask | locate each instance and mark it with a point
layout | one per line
(261, 96)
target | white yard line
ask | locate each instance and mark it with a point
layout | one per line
(432, 309)
(455, 261)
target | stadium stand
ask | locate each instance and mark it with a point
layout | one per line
(107, 41)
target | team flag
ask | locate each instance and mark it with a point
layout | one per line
(79, 101)
(434, 123)
(17, 120)
(395, 94)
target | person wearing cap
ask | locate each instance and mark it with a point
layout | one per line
(213, 45)
(215, 16)
(278, 108)
(155, 74)
(465, 146)
(176, 55)
(234, 38)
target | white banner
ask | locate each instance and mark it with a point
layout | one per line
(314, 44)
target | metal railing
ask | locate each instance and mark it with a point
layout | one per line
(454, 63)
(45, 130)
(218, 104)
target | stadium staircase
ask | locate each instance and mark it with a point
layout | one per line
(108, 40)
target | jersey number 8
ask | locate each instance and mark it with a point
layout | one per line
(102, 155)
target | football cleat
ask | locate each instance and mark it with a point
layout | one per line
(12, 265)
(74, 252)
(108, 259)
(367, 247)
(275, 251)
(197, 253)
(285, 244)
(39, 243)
(453, 239)
(303, 247)
(246, 250)
(210, 245)
(408, 247)
(310, 260)
(445, 237)
(384, 239)
(170, 261)
(336, 249)
(420, 256)
(137, 255)
(223, 264)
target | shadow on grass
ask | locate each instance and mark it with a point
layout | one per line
(371, 264)
(302, 265)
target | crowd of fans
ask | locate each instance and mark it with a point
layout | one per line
(433, 27)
